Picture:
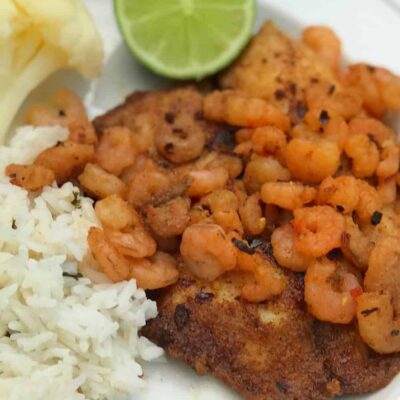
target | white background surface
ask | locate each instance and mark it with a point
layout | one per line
(370, 30)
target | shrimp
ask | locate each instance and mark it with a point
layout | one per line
(231, 163)
(115, 151)
(312, 160)
(115, 213)
(269, 140)
(171, 218)
(389, 87)
(205, 181)
(158, 272)
(288, 195)
(364, 155)
(244, 149)
(369, 201)
(377, 324)
(330, 293)
(360, 77)
(198, 214)
(251, 215)
(357, 246)
(239, 109)
(181, 141)
(317, 119)
(317, 230)
(147, 185)
(303, 131)
(270, 281)
(372, 128)
(133, 242)
(325, 43)
(324, 97)
(341, 192)
(263, 169)
(30, 177)
(387, 190)
(229, 221)
(66, 159)
(207, 251)
(284, 251)
(243, 135)
(70, 113)
(337, 131)
(113, 264)
(101, 183)
(389, 164)
(384, 269)
(221, 200)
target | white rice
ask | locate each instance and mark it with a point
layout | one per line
(61, 338)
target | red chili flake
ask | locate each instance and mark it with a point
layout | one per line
(356, 292)
(298, 226)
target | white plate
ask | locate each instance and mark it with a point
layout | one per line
(369, 29)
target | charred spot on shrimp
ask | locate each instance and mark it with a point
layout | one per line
(324, 117)
(242, 246)
(169, 148)
(279, 94)
(253, 242)
(331, 89)
(369, 311)
(376, 218)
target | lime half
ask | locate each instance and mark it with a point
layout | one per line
(186, 39)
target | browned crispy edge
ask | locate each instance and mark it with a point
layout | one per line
(295, 359)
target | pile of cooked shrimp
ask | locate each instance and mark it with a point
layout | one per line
(318, 197)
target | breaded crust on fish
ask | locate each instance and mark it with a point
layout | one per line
(145, 113)
(277, 68)
(265, 351)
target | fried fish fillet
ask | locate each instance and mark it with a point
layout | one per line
(274, 350)
(278, 69)
(265, 351)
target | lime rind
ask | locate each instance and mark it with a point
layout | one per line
(190, 70)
